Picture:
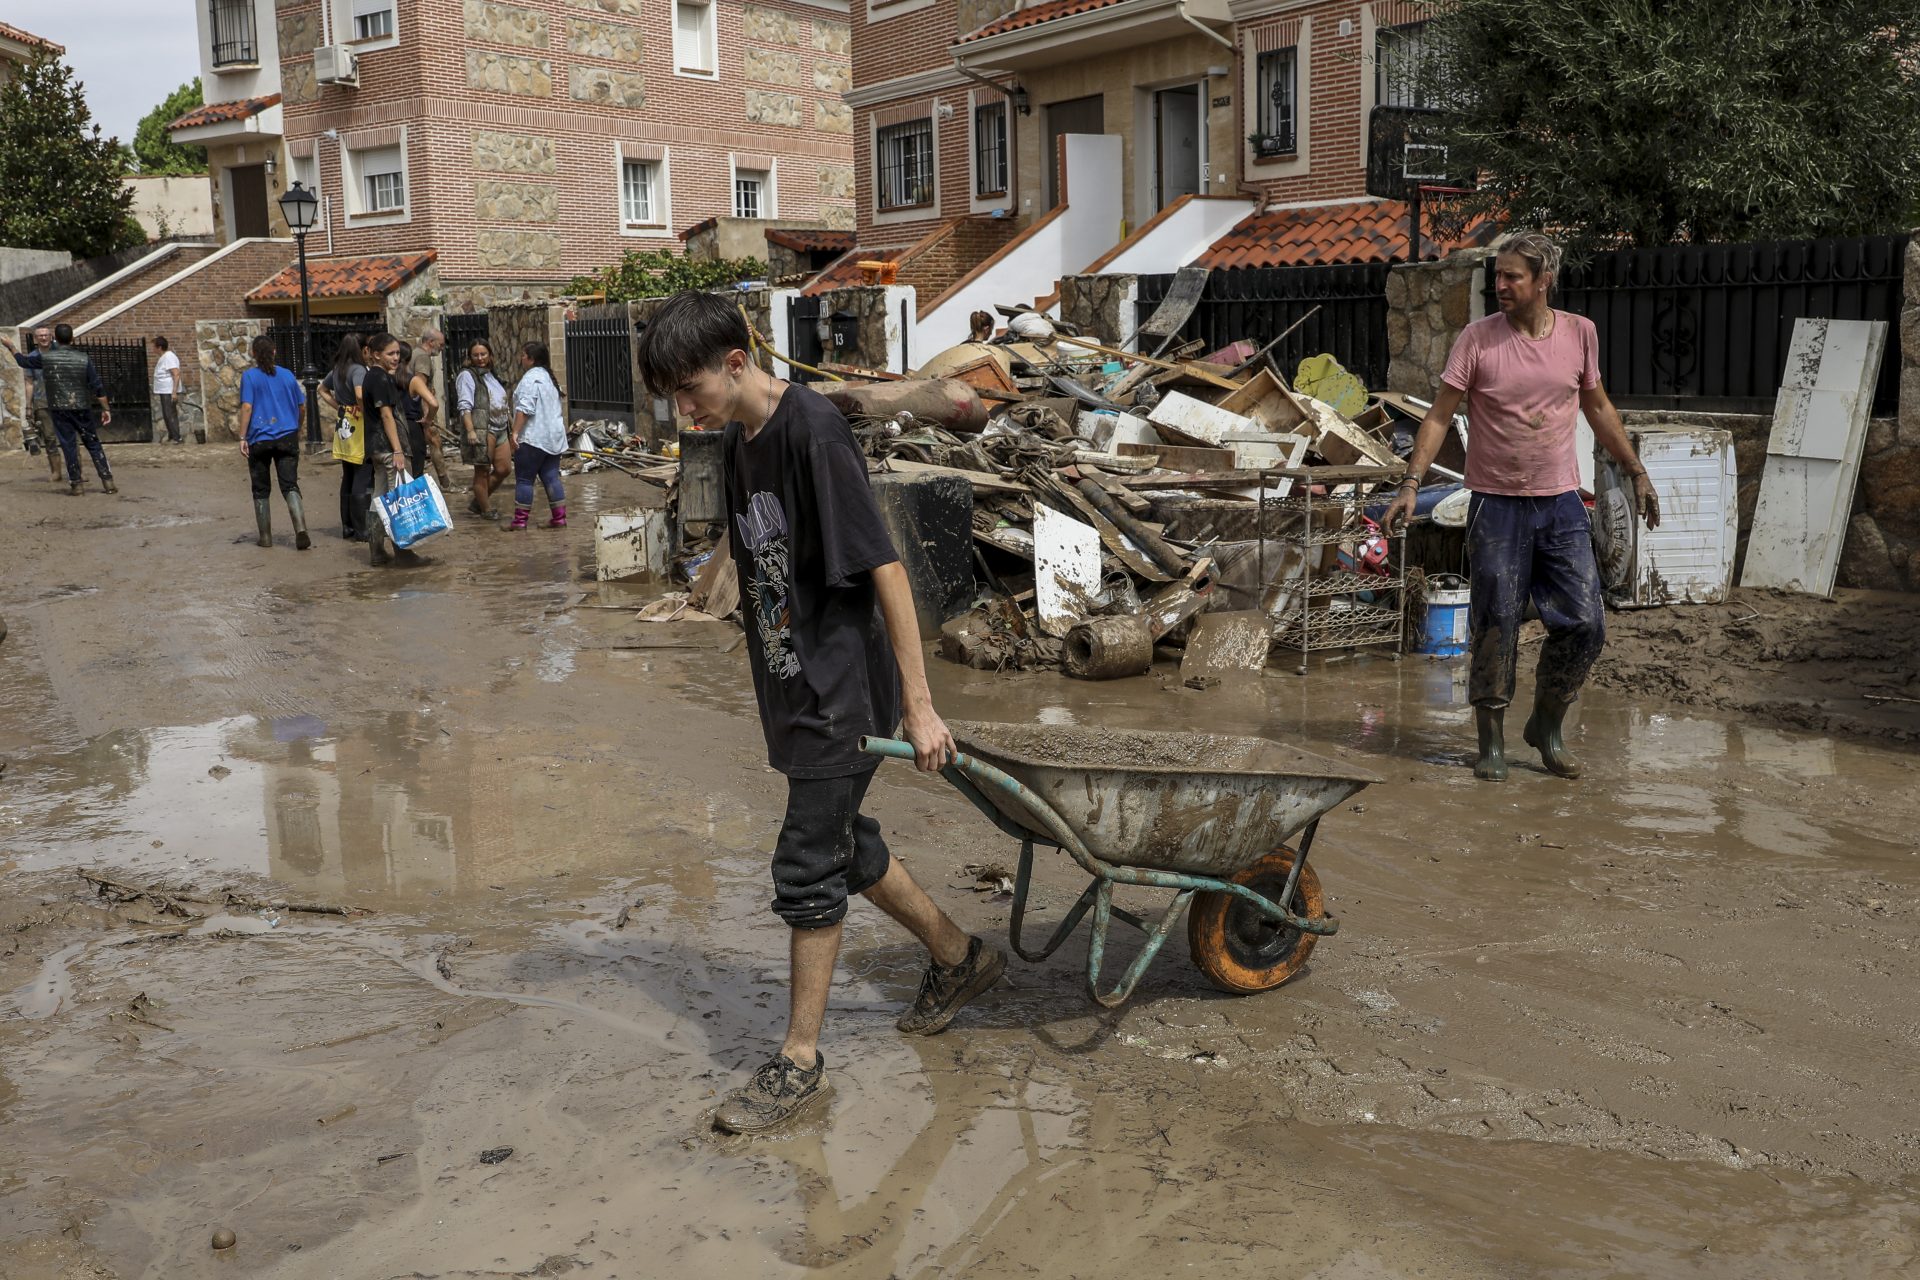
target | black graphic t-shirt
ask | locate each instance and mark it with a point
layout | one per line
(806, 536)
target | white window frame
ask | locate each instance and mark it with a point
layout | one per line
(662, 194)
(977, 203)
(709, 40)
(883, 214)
(304, 170)
(769, 188)
(354, 181)
(1300, 162)
(347, 14)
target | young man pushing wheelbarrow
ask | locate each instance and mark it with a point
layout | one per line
(835, 651)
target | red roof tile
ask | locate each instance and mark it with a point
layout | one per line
(1360, 231)
(810, 240)
(370, 277)
(844, 271)
(11, 32)
(223, 112)
(1034, 15)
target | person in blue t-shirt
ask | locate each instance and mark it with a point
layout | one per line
(272, 407)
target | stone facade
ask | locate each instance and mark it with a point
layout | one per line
(835, 117)
(224, 352)
(1100, 305)
(773, 108)
(614, 41)
(833, 37)
(971, 15)
(772, 66)
(772, 26)
(832, 77)
(879, 323)
(623, 8)
(838, 217)
(506, 24)
(297, 85)
(1428, 304)
(501, 73)
(511, 153)
(497, 249)
(298, 33)
(836, 181)
(497, 201)
(604, 84)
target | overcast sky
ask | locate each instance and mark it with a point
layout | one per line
(129, 54)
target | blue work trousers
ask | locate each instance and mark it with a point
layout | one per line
(1535, 549)
(76, 427)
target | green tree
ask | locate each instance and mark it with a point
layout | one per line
(1650, 122)
(643, 273)
(60, 182)
(156, 152)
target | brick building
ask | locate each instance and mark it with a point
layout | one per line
(530, 142)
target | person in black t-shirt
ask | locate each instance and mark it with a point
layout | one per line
(390, 442)
(834, 647)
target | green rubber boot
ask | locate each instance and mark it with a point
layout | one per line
(1543, 733)
(263, 518)
(299, 513)
(1492, 764)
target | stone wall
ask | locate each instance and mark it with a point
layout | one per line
(223, 347)
(1428, 304)
(880, 340)
(1102, 306)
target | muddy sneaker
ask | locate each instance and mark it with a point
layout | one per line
(944, 991)
(778, 1094)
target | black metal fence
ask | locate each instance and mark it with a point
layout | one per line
(600, 364)
(803, 337)
(1258, 303)
(1707, 327)
(462, 331)
(123, 367)
(289, 340)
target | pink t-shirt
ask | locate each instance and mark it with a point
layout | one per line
(1523, 402)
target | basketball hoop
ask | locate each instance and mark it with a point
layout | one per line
(1443, 208)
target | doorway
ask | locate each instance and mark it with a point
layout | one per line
(1075, 115)
(1179, 145)
(249, 184)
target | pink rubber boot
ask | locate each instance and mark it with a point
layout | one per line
(559, 520)
(519, 524)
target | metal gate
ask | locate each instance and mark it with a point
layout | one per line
(600, 364)
(1259, 303)
(123, 367)
(803, 337)
(462, 331)
(290, 344)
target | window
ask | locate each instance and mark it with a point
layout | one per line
(233, 35)
(373, 19)
(750, 190)
(693, 37)
(639, 192)
(905, 168)
(990, 149)
(304, 170)
(1399, 66)
(1276, 89)
(377, 180)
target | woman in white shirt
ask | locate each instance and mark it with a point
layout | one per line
(539, 437)
(166, 388)
(487, 443)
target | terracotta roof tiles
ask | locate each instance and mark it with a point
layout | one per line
(1034, 15)
(223, 112)
(11, 32)
(370, 277)
(1358, 231)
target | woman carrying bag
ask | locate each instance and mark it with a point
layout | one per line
(340, 390)
(271, 404)
(384, 398)
(488, 448)
(539, 438)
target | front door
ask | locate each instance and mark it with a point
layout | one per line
(1076, 115)
(249, 200)
(1177, 144)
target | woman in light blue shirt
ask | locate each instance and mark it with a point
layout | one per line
(539, 438)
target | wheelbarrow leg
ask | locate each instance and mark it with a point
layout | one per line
(1022, 881)
(1103, 913)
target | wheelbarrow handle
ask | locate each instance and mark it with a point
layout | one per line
(895, 749)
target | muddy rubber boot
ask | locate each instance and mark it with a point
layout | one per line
(263, 519)
(1543, 733)
(106, 482)
(559, 517)
(1492, 764)
(299, 514)
(519, 524)
(76, 488)
(57, 465)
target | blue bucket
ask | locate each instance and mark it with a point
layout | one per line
(1444, 631)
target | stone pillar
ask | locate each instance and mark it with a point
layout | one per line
(1428, 304)
(225, 352)
(1883, 538)
(1104, 306)
(14, 395)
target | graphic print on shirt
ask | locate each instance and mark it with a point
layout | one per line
(763, 531)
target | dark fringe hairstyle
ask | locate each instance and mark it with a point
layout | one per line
(263, 353)
(345, 356)
(538, 353)
(691, 333)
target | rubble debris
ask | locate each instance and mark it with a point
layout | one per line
(1108, 648)
(945, 402)
(1224, 643)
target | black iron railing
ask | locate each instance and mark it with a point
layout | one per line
(234, 40)
(289, 341)
(1707, 327)
(123, 367)
(1259, 303)
(462, 331)
(600, 364)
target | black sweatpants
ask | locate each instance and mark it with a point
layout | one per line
(280, 454)
(828, 850)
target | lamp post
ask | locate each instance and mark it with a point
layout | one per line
(299, 206)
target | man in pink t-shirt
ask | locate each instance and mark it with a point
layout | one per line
(1525, 375)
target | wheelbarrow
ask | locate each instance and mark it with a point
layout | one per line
(1206, 815)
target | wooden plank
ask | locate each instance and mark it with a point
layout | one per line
(981, 481)
(1190, 369)
(1180, 457)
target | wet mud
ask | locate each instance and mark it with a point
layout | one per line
(1655, 1022)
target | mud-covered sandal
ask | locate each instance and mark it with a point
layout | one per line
(779, 1093)
(944, 992)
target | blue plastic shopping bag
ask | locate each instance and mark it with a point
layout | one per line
(413, 511)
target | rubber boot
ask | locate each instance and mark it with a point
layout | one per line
(106, 482)
(1543, 733)
(263, 518)
(1492, 764)
(299, 514)
(559, 520)
(57, 465)
(519, 524)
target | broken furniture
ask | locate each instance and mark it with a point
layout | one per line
(1316, 601)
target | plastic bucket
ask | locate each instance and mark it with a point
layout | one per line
(1443, 632)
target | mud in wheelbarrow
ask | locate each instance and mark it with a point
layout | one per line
(1206, 815)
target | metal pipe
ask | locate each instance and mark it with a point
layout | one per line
(1201, 27)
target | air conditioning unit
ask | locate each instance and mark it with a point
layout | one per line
(336, 64)
(1689, 558)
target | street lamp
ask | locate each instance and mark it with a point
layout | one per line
(298, 206)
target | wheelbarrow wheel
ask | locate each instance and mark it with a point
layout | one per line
(1239, 948)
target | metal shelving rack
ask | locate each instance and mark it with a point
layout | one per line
(1325, 611)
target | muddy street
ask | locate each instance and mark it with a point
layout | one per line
(396, 867)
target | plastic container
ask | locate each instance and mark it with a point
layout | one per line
(1443, 632)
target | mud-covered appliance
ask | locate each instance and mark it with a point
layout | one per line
(1689, 558)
